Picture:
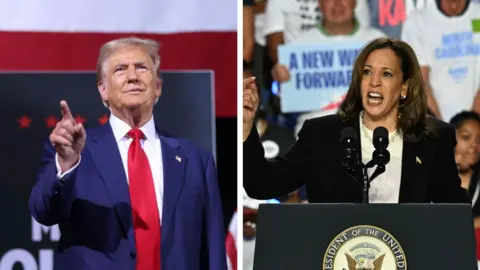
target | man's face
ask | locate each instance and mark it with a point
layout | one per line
(129, 80)
(337, 11)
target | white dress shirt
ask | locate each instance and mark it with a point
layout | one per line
(385, 188)
(151, 145)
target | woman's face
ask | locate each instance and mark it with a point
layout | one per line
(382, 84)
(468, 144)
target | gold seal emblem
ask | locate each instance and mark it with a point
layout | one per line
(364, 247)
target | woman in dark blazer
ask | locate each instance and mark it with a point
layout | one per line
(386, 90)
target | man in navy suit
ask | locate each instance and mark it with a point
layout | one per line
(125, 195)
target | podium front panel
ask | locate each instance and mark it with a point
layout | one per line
(422, 236)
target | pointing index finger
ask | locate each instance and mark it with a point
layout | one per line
(248, 81)
(66, 113)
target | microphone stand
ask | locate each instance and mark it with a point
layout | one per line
(352, 164)
(380, 157)
(366, 180)
(351, 170)
(366, 184)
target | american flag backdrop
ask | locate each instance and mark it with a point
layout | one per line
(66, 35)
(231, 243)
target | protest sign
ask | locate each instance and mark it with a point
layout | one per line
(319, 74)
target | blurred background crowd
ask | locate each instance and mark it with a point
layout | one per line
(445, 35)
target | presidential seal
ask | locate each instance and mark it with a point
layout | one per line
(364, 248)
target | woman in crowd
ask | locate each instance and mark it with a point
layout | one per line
(467, 155)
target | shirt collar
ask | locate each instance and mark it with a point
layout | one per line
(120, 128)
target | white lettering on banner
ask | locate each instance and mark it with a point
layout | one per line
(18, 256)
(25, 258)
(38, 230)
(21, 257)
(45, 260)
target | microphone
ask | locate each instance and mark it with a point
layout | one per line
(380, 156)
(348, 140)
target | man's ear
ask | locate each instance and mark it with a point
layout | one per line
(158, 91)
(102, 90)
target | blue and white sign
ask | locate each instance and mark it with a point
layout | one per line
(319, 74)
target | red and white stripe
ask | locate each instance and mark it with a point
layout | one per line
(231, 243)
(41, 35)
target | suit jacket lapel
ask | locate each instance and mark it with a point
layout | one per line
(414, 179)
(174, 163)
(106, 156)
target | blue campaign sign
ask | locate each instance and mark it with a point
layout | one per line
(319, 74)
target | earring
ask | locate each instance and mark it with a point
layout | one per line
(404, 97)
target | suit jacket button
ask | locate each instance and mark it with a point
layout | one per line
(132, 254)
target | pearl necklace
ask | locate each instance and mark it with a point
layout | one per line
(365, 130)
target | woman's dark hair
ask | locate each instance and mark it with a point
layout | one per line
(413, 110)
(460, 118)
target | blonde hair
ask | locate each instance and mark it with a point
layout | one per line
(150, 46)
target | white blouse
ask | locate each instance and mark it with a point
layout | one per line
(385, 188)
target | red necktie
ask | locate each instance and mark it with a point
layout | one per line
(146, 221)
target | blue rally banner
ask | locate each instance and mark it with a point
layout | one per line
(319, 74)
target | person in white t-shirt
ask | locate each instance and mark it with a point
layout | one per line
(285, 20)
(339, 24)
(448, 50)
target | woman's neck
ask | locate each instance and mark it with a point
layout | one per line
(466, 177)
(390, 122)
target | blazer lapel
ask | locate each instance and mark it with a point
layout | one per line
(106, 156)
(414, 177)
(174, 163)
